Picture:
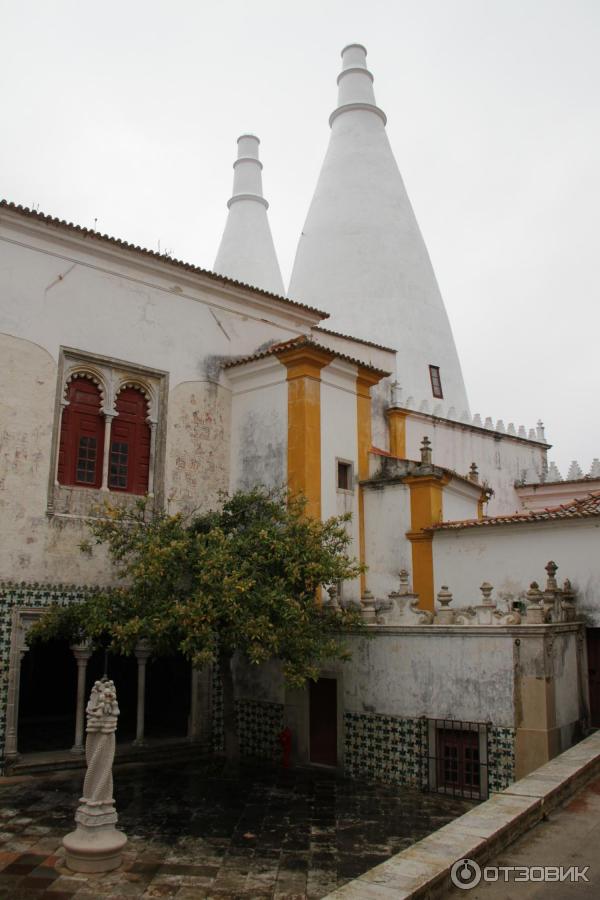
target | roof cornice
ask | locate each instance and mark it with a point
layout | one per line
(77, 237)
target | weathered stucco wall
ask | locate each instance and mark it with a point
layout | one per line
(388, 550)
(63, 290)
(460, 501)
(259, 416)
(33, 545)
(501, 459)
(198, 432)
(339, 440)
(510, 557)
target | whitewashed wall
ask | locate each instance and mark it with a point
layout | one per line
(259, 424)
(512, 556)
(387, 549)
(339, 441)
(501, 459)
(62, 289)
(460, 500)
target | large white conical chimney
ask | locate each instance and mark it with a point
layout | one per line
(361, 256)
(247, 252)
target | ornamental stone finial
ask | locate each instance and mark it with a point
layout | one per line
(474, 473)
(486, 589)
(485, 610)
(535, 610)
(444, 615)
(404, 582)
(568, 606)
(426, 451)
(551, 569)
(96, 845)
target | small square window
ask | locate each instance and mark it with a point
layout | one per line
(436, 382)
(344, 476)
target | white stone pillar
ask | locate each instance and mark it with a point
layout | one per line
(142, 654)
(82, 653)
(108, 418)
(11, 750)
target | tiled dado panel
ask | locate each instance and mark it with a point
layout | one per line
(501, 757)
(259, 724)
(395, 750)
(31, 596)
(386, 748)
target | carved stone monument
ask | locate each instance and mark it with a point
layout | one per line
(96, 845)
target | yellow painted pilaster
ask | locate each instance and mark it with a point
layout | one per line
(304, 366)
(397, 427)
(365, 379)
(426, 509)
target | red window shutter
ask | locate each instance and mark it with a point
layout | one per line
(130, 444)
(81, 443)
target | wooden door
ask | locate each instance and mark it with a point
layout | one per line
(323, 721)
(593, 649)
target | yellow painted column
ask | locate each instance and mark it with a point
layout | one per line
(304, 366)
(365, 379)
(426, 509)
(397, 428)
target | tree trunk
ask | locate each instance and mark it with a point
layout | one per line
(230, 732)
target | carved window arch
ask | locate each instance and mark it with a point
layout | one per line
(81, 443)
(130, 443)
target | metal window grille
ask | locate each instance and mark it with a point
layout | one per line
(457, 758)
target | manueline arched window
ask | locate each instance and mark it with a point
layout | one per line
(130, 444)
(81, 436)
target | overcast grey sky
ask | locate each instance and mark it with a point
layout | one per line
(127, 112)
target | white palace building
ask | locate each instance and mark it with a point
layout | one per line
(126, 372)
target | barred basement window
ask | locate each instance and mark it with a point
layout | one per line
(436, 382)
(458, 758)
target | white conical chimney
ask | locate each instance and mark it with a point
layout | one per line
(361, 255)
(247, 252)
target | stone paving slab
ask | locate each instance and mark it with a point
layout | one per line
(197, 832)
(480, 833)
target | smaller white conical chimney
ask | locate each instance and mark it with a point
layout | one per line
(247, 252)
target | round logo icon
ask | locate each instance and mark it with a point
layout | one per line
(465, 874)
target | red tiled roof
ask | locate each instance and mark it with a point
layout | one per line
(300, 341)
(588, 507)
(124, 245)
(349, 337)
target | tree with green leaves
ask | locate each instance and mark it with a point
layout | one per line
(244, 579)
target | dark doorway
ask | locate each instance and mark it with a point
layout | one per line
(123, 671)
(323, 721)
(593, 649)
(168, 697)
(48, 695)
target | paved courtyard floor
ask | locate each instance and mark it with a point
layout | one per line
(196, 831)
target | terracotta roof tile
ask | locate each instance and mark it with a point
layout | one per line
(587, 507)
(349, 337)
(300, 341)
(124, 245)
